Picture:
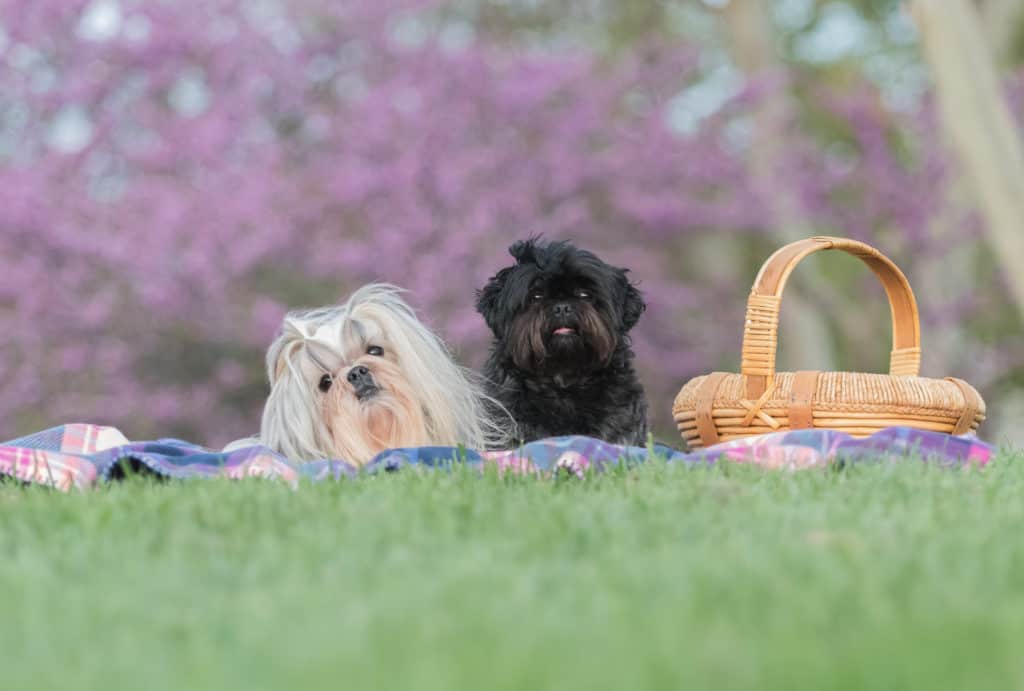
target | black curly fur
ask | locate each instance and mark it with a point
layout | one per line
(574, 383)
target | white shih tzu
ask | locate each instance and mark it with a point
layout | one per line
(350, 381)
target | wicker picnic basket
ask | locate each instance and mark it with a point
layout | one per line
(724, 406)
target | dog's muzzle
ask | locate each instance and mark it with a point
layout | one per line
(362, 382)
(564, 320)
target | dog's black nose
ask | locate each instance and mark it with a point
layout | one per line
(362, 382)
(563, 309)
(359, 375)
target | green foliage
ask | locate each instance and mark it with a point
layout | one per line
(889, 576)
(1016, 49)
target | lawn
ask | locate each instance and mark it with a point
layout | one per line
(884, 576)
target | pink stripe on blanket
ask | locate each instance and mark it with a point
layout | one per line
(48, 468)
(79, 438)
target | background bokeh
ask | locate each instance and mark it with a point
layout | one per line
(175, 175)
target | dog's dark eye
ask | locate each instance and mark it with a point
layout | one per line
(582, 294)
(325, 383)
(536, 296)
(376, 351)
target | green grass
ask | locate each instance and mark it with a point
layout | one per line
(881, 577)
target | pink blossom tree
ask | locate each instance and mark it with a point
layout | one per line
(174, 176)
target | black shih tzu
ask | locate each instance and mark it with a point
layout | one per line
(561, 361)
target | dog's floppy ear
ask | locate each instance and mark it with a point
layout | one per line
(633, 304)
(488, 301)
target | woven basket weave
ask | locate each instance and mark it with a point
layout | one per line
(724, 406)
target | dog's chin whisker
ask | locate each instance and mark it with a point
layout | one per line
(368, 394)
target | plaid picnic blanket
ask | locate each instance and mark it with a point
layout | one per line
(80, 456)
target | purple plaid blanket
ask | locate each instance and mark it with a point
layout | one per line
(80, 456)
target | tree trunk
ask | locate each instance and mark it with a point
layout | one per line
(1001, 20)
(977, 122)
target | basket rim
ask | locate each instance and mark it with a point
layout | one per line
(685, 399)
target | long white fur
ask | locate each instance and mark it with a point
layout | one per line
(315, 342)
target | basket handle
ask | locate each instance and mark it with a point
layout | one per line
(760, 334)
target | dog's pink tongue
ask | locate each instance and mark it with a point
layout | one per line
(564, 331)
